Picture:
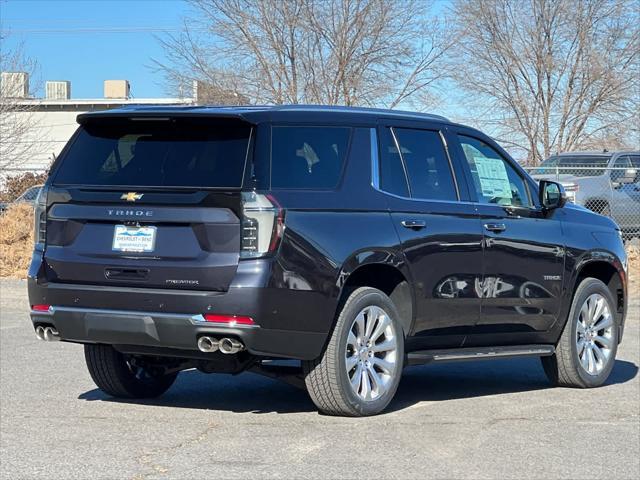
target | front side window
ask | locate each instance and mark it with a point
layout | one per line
(494, 178)
(308, 157)
(624, 163)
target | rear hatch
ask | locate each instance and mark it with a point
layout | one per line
(148, 202)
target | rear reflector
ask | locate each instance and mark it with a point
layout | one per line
(228, 319)
(40, 308)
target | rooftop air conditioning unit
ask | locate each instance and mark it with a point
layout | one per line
(58, 90)
(14, 85)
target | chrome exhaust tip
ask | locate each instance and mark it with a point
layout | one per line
(207, 344)
(40, 332)
(51, 334)
(230, 346)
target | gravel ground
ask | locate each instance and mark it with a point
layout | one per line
(496, 419)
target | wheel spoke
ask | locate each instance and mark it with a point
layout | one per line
(365, 385)
(599, 354)
(372, 315)
(598, 309)
(385, 346)
(604, 341)
(591, 359)
(384, 365)
(606, 322)
(359, 321)
(581, 345)
(383, 322)
(581, 329)
(377, 384)
(352, 339)
(584, 359)
(592, 309)
(584, 314)
(351, 362)
(357, 378)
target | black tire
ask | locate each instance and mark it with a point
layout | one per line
(564, 367)
(114, 375)
(326, 377)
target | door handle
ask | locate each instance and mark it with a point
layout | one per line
(495, 227)
(413, 224)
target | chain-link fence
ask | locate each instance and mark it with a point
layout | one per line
(613, 191)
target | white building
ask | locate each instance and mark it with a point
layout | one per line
(52, 120)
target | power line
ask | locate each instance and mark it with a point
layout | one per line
(83, 30)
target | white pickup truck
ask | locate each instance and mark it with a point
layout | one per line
(605, 182)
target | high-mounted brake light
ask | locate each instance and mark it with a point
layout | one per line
(228, 319)
(262, 225)
(40, 308)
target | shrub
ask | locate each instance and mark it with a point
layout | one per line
(14, 186)
(16, 240)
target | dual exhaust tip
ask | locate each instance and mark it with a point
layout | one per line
(228, 346)
(47, 334)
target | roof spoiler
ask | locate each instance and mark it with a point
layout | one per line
(157, 115)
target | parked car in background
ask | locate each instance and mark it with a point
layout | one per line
(605, 182)
(28, 196)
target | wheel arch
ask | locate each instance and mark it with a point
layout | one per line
(388, 274)
(607, 268)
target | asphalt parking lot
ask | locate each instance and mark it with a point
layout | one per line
(494, 419)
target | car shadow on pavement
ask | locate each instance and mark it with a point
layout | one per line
(483, 378)
(256, 394)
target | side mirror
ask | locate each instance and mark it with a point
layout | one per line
(551, 195)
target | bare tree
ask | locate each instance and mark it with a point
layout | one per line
(347, 52)
(18, 124)
(551, 75)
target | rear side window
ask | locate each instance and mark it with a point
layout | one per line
(179, 153)
(308, 157)
(392, 174)
(426, 164)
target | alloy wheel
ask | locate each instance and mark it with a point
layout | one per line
(371, 353)
(594, 334)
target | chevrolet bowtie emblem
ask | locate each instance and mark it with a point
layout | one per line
(131, 196)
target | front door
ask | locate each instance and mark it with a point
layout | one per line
(523, 248)
(441, 235)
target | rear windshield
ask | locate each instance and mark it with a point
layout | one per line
(579, 165)
(177, 153)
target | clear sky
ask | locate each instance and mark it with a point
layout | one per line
(89, 41)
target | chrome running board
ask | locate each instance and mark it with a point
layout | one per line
(481, 353)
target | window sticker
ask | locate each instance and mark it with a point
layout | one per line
(493, 177)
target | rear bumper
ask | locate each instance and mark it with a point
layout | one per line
(172, 320)
(171, 331)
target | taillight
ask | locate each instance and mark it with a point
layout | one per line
(40, 308)
(262, 225)
(40, 218)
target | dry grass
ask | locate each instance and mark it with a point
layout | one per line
(16, 241)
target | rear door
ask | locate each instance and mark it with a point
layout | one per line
(148, 203)
(523, 248)
(440, 234)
